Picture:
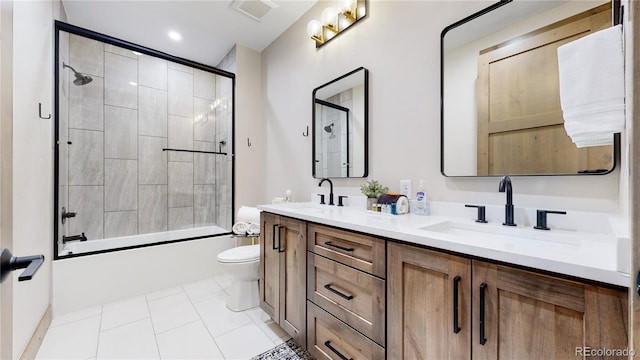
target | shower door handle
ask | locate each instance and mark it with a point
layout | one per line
(8, 263)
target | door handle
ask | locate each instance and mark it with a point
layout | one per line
(456, 327)
(483, 338)
(280, 248)
(8, 263)
(273, 237)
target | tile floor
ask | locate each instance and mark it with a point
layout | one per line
(186, 322)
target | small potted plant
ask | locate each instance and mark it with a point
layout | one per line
(372, 189)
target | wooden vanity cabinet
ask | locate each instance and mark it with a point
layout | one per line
(533, 316)
(428, 304)
(283, 265)
(346, 293)
(502, 312)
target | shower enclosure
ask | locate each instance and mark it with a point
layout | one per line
(334, 130)
(144, 146)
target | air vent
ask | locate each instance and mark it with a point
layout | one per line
(255, 9)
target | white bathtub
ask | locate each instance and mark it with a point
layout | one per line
(82, 282)
(79, 247)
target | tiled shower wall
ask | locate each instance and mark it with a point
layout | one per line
(332, 153)
(117, 178)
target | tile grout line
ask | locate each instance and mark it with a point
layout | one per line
(127, 323)
(203, 323)
(155, 336)
(99, 332)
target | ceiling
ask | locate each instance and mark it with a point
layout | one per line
(209, 29)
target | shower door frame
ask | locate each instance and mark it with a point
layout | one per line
(72, 29)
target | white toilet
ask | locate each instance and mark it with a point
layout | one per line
(242, 264)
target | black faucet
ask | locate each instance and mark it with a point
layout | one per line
(330, 189)
(505, 186)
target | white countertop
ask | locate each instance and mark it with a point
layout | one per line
(585, 255)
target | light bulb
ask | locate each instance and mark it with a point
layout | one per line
(329, 17)
(347, 6)
(313, 28)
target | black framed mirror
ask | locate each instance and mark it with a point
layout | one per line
(340, 126)
(500, 104)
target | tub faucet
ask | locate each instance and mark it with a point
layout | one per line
(505, 186)
(330, 189)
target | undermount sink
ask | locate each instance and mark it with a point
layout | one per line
(494, 232)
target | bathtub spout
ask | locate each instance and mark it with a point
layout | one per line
(66, 239)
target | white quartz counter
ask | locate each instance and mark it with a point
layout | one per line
(585, 255)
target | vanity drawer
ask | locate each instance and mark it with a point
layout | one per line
(351, 295)
(329, 338)
(356, 250)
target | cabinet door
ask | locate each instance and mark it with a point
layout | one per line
(523, 315)
(422, 287)
(292, 234)
(269, 266)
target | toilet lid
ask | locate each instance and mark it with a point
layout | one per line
(240, 254)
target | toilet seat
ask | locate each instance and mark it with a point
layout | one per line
(240, 254)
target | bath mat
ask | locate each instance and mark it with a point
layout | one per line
(288, 350)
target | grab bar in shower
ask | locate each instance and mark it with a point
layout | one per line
(81, 237)
(196, 151)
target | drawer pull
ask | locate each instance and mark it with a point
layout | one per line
(483, 338)
(328, 344)
(329, 243)
(340, 293)
(456, 327)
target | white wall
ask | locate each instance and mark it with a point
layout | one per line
(6, 170)
(32, 160)
(399, 43)
(248, 125)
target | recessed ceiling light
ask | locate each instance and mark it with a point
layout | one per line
(136, 53)
(133, 83)
(174, 35)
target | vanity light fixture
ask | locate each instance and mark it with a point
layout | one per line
(334, 21)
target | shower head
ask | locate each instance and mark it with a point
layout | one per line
(80, 78)
(329, 128)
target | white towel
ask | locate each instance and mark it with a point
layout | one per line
(240, 228)
(591, 73)
(253, 229)
(248, 214)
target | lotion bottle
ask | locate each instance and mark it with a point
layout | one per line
(422, 206)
